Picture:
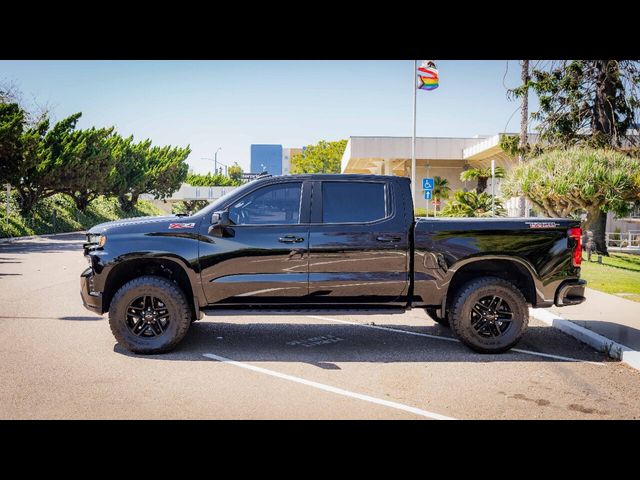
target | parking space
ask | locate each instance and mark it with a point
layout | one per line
(61, 361)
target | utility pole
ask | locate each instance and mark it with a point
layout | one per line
(524, 123)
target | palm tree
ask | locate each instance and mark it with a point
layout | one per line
(472, 204)
(481, 175)
(441, 189)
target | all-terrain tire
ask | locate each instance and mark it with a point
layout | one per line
(174, 302)
(433, 313)
(462, 319)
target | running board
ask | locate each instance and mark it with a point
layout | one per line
(228, 311)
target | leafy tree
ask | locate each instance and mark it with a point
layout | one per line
(80, 163)
(481, 176)
(12, 126)
(167, 170)
(27, 151)
(472, 204)
(188, 206)
(324, 157)
(441, 189)
(564, 182)
(235, 173)
(587, 102)
(211, 180)
(142, 168)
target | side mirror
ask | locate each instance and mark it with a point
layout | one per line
(221, 219)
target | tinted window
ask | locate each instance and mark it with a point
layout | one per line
(275, 204)
(353, 202)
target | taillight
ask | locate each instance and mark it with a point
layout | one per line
(576, 234)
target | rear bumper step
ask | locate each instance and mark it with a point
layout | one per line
(571, 293)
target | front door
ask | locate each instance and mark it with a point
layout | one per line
(262, 257)
(359, 244)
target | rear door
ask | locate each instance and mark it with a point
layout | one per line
(359, 243)
(262, 257)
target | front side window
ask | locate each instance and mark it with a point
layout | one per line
(272, 205)
(353, 202)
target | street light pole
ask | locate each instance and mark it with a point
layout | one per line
(215, 161)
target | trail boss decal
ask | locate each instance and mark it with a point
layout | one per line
(542, 224)
(173, 226)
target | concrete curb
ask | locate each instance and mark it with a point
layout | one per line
(613, 349)
(31, 237)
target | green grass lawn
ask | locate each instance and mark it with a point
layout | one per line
(619, 273)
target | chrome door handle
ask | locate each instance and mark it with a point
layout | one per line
(291, 239)
(386, 238)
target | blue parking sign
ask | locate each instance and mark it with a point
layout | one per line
(427, 194)
(427, 183)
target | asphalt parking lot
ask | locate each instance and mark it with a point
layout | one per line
(59, 360)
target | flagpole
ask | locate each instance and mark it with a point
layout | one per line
(413, 138)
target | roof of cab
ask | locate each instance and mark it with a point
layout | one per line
(336, 176)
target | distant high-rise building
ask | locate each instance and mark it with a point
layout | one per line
(272, 159)
(266, 158)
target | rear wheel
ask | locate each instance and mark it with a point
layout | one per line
(489, 315)
(149, 315)
(433, 313)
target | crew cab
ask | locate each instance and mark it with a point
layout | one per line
(328, 241)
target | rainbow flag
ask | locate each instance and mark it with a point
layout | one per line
(428, 76)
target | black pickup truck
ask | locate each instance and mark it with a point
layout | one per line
(316, 241)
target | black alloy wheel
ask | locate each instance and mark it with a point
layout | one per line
(147, 316)
(491, 316)
(488, 314)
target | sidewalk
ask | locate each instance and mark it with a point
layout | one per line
(606, 322)
(611, 316)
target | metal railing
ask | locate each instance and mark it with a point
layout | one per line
(630, 239)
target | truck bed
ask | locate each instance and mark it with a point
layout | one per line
(536, 247)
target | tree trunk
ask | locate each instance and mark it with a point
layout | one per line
(126, 204)
(82, 201)
(28, 199)
(602, 129)
(482, 185)
(524, 122)
(603, 118)
(598, 227)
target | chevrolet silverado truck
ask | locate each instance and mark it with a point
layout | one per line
(328, 241)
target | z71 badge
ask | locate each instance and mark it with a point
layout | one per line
(181, 225)
(542, 224)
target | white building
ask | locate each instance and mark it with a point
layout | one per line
(445, 157)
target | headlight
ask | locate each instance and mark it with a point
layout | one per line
(96, 240)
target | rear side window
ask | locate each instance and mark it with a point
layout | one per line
(345, 202)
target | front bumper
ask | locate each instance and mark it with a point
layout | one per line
(570, 293)
(90, 299)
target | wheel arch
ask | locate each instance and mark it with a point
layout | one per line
(513, 270)
(163, 266)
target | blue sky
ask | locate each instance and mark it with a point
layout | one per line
(232, 104)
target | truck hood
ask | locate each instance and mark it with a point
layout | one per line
(139, 224)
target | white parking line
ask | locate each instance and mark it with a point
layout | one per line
(329, 388)
(449, 339)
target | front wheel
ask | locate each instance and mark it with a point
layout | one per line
(149, 314)
(489, 315)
